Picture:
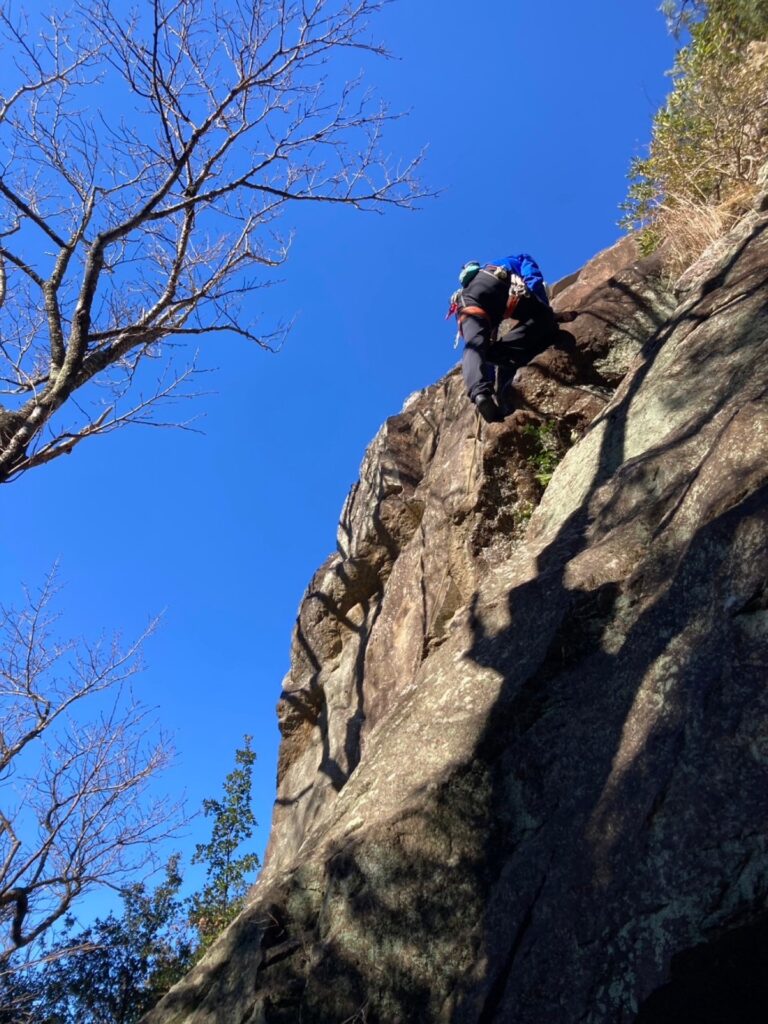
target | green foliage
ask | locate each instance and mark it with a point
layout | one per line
(114, 971)
(223, 895)
(747, 19)
(548, 449)
(522, 512)
(125, 962)
(681, 14)
(710, 139)
(17, 998)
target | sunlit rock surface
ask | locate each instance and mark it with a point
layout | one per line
(524, 771)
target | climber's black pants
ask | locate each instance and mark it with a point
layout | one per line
(535, 330)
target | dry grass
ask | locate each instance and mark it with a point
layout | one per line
(688, 227)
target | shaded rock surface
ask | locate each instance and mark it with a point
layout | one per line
(524, 769)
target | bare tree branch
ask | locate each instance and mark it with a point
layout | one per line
(74, 809)
(135, 228)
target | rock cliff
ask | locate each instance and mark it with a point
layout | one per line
(524, 768)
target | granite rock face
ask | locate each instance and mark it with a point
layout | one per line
(524, 770)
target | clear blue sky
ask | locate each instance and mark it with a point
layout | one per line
(531, 115)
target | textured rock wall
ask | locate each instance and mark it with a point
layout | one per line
(525, 731)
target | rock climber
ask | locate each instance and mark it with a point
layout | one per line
(489, 293)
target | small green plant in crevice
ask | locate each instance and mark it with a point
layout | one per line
(547, 449)
(522, 513)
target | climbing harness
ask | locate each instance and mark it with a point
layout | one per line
(461, 313)
(518, 289)
(466, 311)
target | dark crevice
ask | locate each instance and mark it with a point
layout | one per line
(758, 602)
(723, 981)
(496, 994)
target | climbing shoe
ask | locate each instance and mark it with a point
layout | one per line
(488, 409)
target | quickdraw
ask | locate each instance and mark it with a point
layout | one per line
(454, 306)
(512, 302)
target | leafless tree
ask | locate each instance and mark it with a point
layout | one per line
(144, 162)
(77, 755)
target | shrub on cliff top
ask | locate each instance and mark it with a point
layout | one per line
(711, 137)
